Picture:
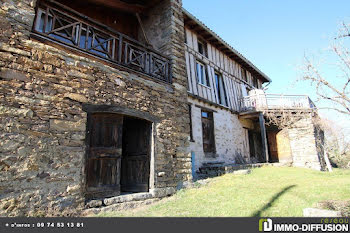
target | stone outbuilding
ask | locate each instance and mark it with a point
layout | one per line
(93, 103)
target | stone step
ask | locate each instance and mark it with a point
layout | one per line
(119, 207)
(313, 212)
(153, 194)
(127, 198)
(214, 170)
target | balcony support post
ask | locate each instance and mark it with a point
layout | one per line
(263, 136)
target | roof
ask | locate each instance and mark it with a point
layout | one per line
(222, 45)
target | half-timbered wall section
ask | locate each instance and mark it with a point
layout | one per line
(218, 78)
(215, 72)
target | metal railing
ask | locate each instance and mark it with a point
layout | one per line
(68, 27)
(260, 102)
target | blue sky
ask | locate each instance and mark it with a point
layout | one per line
(275, 35)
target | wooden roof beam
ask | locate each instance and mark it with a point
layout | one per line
(194, 27)
(120, 5)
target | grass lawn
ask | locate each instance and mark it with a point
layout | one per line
(267, 191)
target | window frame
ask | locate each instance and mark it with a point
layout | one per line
(219, 77)
(204, 47)
(200, 80)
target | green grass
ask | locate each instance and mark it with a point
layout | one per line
(267, 191)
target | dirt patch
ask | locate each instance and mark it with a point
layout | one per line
(342, 206)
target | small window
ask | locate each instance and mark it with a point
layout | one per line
(202, 48)
(202, 76)
(244, 74)
(208, 133)
(205, 114)
(220, 87)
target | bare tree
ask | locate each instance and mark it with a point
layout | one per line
(335, 91)
(336, 146)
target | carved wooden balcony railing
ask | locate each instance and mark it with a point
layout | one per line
(261, 102)
(68, 27)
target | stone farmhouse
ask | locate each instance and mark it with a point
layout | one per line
(104, 102)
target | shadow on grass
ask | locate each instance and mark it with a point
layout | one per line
(273, 199)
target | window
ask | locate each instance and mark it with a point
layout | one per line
(244, 74)
(220, 87)
(208, 133)
(202, 48)
(202, 76)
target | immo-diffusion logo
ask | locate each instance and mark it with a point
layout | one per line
(265, 224)
(326, 225)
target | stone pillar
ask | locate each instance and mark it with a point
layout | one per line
(305, 144)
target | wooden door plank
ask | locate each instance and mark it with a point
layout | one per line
(136, 155)
(103, 154)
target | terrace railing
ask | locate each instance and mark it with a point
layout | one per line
(260, 102)
(68, 27)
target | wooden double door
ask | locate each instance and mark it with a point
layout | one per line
(118, 155)
(279, 146)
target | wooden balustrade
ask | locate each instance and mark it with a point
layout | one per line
(275, 101)
(68, 27)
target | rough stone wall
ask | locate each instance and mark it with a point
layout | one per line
(154, 24)
(42, 124)
(230, 136)
(304, 143)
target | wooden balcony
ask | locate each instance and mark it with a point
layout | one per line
(263, 102)
(64, 26)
